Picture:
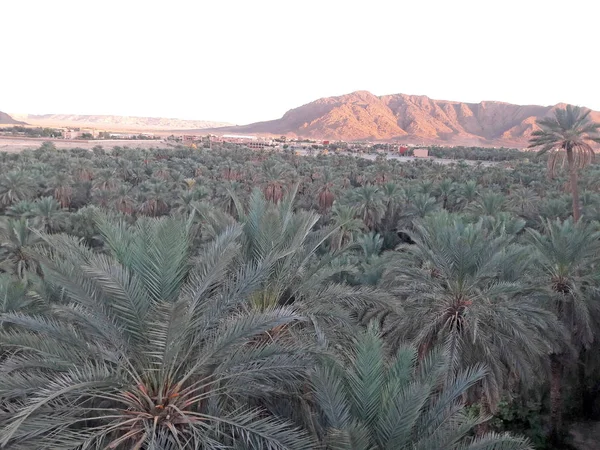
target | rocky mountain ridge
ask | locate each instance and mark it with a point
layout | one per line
(408, 118)
(6, 119)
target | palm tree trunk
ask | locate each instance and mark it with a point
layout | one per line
(574, 185)
(556, 370)
(587, 397)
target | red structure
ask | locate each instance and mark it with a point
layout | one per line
(402, 149)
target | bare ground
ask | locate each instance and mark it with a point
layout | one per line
(12, 145)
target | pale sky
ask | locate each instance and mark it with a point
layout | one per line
(248, 60)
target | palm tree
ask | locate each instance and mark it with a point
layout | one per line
(567, 137)
(378, 403)
(468, 192)
(567, 257)
(61, 189)
(16, 297)
(346, 224)
(368, 201)
(154, 199)
(184, 204)
(146, 350)
(393, 195)
(419, 207)
(464, 287)
(15, 186)
(105, 180)
(446, 190)
(47, 214)
(24, 208)
(300, 270)
(122, 199)
(524, 201)
(488, 204)
(275, 175)
(17, 239)
(326, 197)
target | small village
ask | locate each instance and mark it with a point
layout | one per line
(278, 144)
(309, 146)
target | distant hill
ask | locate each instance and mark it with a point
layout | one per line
(5, 119)
(117, 122)
(407, 118)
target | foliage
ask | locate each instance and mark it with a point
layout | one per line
(224, 298)
(373, 403)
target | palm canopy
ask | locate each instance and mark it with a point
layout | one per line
(143, 348)
(16, 296)
(570, 130)
(464, 286)
(16, 239)
(284, 241)
(378, 403)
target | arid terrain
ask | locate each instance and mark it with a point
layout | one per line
(11, 145)
(120, 124)
(125, 123)
(408, 118)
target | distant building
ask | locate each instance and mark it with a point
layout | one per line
(235, 137)
(91, 131)
(421, 153)
(259, 145)
(253, 142)
(189, 139)
(70, 134)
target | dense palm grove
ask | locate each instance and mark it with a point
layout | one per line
(228, 298)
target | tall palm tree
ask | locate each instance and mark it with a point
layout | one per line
(463, 287)
(146, 350)
(567, 137)
(373, 402)
(567, 255)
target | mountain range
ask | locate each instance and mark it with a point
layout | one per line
(110, 122)
(360, 115)
(5, 119)
(415, 119)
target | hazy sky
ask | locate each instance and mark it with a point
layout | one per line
(249, 60)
